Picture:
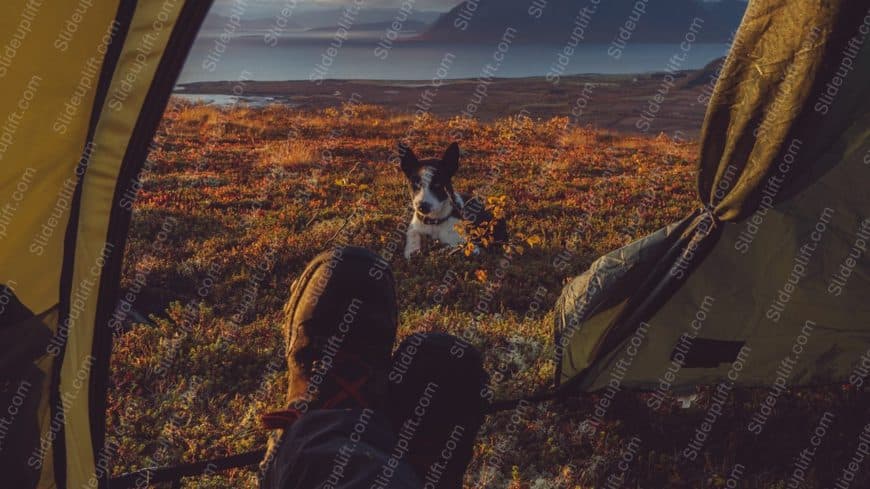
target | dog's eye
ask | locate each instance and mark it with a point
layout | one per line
(415, 185)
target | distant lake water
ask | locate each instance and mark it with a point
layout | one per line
(296, 59)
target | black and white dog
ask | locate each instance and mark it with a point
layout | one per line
(437, 208)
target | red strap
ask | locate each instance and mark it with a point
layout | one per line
(280, 420)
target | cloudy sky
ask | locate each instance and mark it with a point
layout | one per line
(276, 5)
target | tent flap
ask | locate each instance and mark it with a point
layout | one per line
(782, 279)
(83, 108)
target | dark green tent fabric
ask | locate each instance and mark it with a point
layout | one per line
(781, 213)
(770, 117)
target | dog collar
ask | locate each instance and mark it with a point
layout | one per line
(435, 221)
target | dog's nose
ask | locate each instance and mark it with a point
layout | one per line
(424, 207)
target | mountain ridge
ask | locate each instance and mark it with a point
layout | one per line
(561, 21)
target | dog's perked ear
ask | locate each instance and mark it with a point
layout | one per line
(409, 162)
(450, 160)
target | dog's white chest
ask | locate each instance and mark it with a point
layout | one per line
(445, 233)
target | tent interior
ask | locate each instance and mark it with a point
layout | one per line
(682, 291)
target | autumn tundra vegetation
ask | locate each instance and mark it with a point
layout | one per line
(234, 201)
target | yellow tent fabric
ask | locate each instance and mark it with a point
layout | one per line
(766, 284)
(85, 84)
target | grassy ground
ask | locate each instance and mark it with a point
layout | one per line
(235, 201)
